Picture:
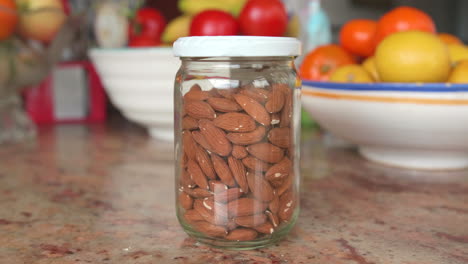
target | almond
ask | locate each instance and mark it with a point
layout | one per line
(228, 195)
(275, 102)
(242, 234)
(189, 123)
(215, 137)
(228, 93)
(189, 144)
(280, 137)
(266, 228)
(286, 185)
(251, 220)
(255, 164)
(185, 181)
(231, 225)
(185, 201)
(195, 87)
(253, 108)
(260, 188)
(205, 163)
(238, 171)
(210, 229)
(212, 212)
(258, 94)
(239, 152)
(235, 122)
(245, 206)
(284, 88)
(224, 105)
(217, 186)
(200, 139)
(223, 171)
(273, 206)
(247, 138)
(197, 175)
(199, 110)
(184, 160)
(275, 119)
(274, 220)
(197, 95)
(193, 216)
(287, 205)
(286, 113)
(266, 152)
(279, 171)
(198, 193)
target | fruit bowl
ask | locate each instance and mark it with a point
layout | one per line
(416, 126)
(140, 83)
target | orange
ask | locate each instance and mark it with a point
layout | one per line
(449, 38)
(412, 56)
(357, 36)
(459, 73)
(352, 73)
(403, 18)
(8, 18)
(322, 61)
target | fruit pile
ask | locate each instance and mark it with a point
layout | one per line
(209, 18)
(402, 46)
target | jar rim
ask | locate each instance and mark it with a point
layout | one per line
(237, 46)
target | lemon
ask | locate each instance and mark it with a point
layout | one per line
(459, 73)
(369, 65)
(351, 73)
(457, 52)
(412, 56)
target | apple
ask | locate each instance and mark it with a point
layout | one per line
(40, 20)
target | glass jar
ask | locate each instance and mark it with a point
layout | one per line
(237, 124)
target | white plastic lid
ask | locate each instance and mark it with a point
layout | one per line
(236, 46)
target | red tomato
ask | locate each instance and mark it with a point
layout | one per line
(322, 61)
(143, 41)
(263, 18)
(214, 23)
(358, 37)
(404, 18)
(8, 18)
(148, 22)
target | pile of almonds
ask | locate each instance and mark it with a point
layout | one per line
(237, 176)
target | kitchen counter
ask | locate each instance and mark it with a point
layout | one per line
(105, 194)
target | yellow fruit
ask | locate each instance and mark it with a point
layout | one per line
(193, 7)
(294, 27)
(457, 52)
(369, 65)
(412, 56)
(459, 73)
(177, 28)
(351, 73)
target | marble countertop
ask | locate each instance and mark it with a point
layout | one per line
(105, 194)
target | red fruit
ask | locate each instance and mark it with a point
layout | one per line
(263, 18)
(358, 37)
(143, 41)
(214, 23)
(148, 23)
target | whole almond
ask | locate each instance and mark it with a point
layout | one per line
(228, 195)
(247, 138)
(242, 234)
(223, 171)
(280, 137)
(199, 110)
(275, 119)
(195, 87)
(231, 225)
(286, 113)
(235, 122)
(189, 144)
(251, 220)
(228, 93)
(239, 152)
(185, 181)
(184, 160)
(205, 163)
(198, 193)
(287, 205)
(273, 206)
(255, 164)
(258, 94)
(215, 137)
(266, 228)
(193, 216)
(279, 171)
(224, 105)
(266, 152)
(238, 171)
(275, 102)
(217, 186)
(189, 123)
(284, 88)
(212, 212)
(197, 95)
(253, 108)
(260, 187)
(185, 201)
(197, 175)
(245, 206)
(286, 185)
(210, 229)
(274, 220)
(200, 139)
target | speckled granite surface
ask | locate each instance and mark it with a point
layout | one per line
(104, 194)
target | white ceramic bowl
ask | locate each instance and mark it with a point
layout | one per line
(140, 83)
(405, 125)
